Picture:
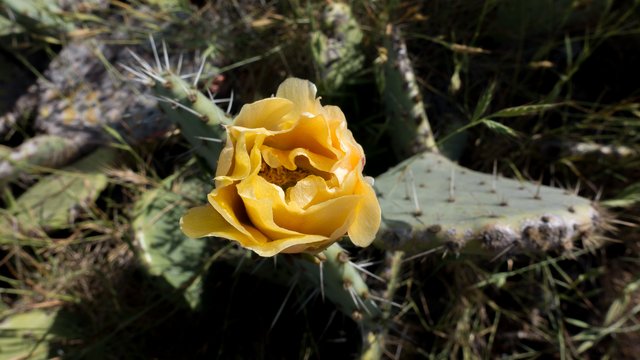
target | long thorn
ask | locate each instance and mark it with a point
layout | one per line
(166, 56)
(208, 139)
(538, 187)
(367, 271)
(452, 187)
(179, 67)
(307, 299)
(230, 103)
(383, 300)
(331, 317)
(424, 253)
(353, 297)
(155, 53)
(195, 81)
(494, 180)
(321, 269)
(155, 76)
(225, 100)
(416, 203)
(140, 60)
(294, 282)
(180, 105)
(140, 76)
(359, 300)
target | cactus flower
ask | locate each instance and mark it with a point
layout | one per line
(289, 179)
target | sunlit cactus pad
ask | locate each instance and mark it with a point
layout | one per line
(428, 201)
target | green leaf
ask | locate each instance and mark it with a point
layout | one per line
(523, 110)
(8, 27)
(578, 323)
(499, 128)
(627, 197)
(484, 102)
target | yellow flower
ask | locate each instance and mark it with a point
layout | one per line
(289, 179)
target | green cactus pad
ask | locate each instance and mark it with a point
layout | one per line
(408, 123)
(54, 201)
(162, 247)
(27, 335)
(335, 46)
(43, 151)
(204, 131)
(428, 201)
(342, 283)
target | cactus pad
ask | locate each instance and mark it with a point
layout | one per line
(335, 46)
(408, 123)
(428, 201)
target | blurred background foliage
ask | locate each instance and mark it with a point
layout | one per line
(77, 282)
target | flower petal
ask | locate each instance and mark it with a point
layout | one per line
(229, 205)
(295, 244)
(287, 158)
(330, 218)
(204, 221)
(303, 95)
(259, 197)
(246, 156)
(314, 190)
(367, 216)
(268, 113)
(310, 133)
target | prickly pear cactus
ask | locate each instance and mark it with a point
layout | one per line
(57, 199)
(88, 95)
(28, 335)
(428, 201)
(406, 117)
(198, 117)
(164, 250)
(335, 46)
(45, 151)
(78, 97)
(341, 281)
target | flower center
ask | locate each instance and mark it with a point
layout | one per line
(282, 176)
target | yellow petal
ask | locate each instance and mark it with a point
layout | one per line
(204, 221)
(246, 157)
(367, 216)
(313, 190)
(225, 161)
(294, 244)
(287, 158)
(242, 163)
(267, 113)
(259, 198)
(330, 218)
(311, 133)
(229, 205)
(303, 95)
